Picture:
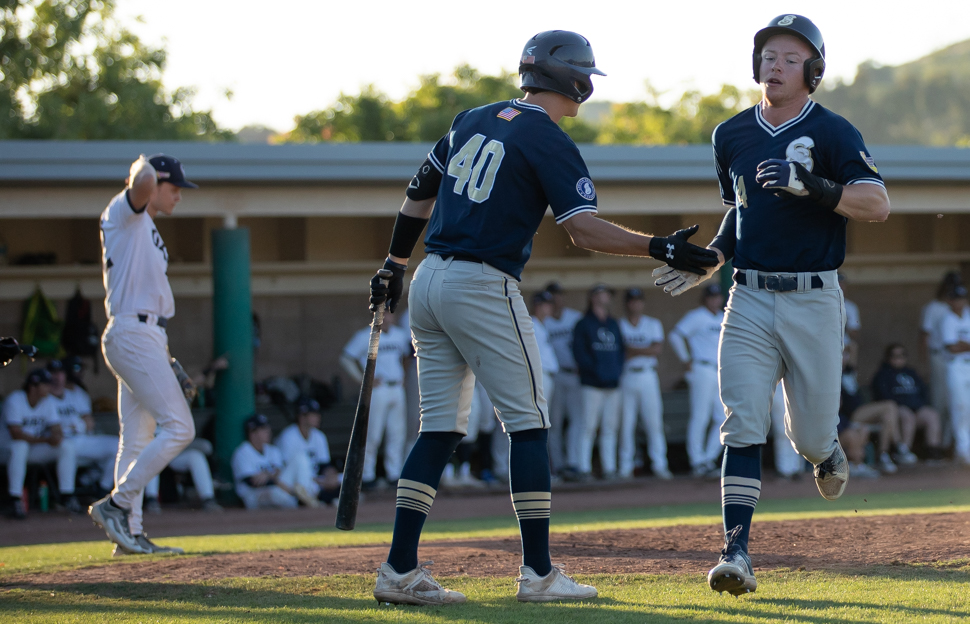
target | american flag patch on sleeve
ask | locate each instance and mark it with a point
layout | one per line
(509, 114)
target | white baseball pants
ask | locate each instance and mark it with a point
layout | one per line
(297, 471)
(195, 463)
(640, 390)
(149, 397)
(787, 460)
(958, 376)
(706, 415)
(602, 411)
(566, 405)
(388, 422)
(100, 450)
(23, 453)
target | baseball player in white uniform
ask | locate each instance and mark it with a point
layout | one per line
(388, 417)
(305, 438)
(566, 403)
(643, 338)
(74, 411)
(139, 303)
(931, 326)
(263, 477)
(33, 435)
(695, 340)
(956, 338)
(542, 306)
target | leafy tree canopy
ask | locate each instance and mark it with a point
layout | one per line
(68, 70)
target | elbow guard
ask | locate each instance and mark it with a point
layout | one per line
(425, 183)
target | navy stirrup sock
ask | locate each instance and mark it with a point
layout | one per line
(416, 490)
(740, 489)
(531, 484)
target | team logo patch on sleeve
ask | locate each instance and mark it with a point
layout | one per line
(509, 114)
(869, 161)
(585, 189)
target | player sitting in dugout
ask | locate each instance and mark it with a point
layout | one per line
(262, 478)
(896, 381)
(304, 438)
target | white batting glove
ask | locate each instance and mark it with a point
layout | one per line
(678, 282)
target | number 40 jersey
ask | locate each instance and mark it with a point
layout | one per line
(502, 165)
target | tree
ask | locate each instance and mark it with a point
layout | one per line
(424, 115)
(52, 87)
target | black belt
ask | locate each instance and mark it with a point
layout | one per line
(464, 258)
(776, 283)
(161, 322)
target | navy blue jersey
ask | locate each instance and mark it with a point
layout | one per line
(783, 232)
(502, 165)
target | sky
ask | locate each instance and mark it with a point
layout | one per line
(289, 57)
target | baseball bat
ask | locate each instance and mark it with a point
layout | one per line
(354, 466)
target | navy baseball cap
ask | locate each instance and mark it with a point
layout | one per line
(170, 170)
(554, 288)
(543, 296)
(72, 364)
(307, 405)
(256, 421)
(55, 366)
(598, 288)
(634, 293)
(958, 292)
(36, 377)
(712, 289)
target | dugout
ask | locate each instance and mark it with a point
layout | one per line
(320, 217)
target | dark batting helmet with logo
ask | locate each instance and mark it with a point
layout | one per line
(804, 29)
(559, 61)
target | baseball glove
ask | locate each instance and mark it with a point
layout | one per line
(188, 386)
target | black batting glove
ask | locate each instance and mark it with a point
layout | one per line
(389, 293)
(793, 178)
(9, 349)
(681, 255)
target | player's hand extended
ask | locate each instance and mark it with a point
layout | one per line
(681, 255)
(390, 292)
(791, 177)
(678, 282)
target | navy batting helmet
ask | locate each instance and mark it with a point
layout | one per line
(559, 61)
(804, 29)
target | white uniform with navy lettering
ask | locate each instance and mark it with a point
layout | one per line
(957, 329)
(388, 417)
(931, 322)
(695, 339)
(139, 301)
(567, 400)
(640, 388)
(91, 449)
(33, 421)
(315, 449)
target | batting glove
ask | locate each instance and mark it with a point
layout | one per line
(681, 255)
(389, 293)
(792, 177)
(677, 282)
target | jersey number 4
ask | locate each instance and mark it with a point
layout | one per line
(476, 168)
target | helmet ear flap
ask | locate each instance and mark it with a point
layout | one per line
(814, 70)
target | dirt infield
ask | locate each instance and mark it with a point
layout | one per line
(830, 544)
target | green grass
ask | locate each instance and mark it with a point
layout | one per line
(892, 595)
(46, 558)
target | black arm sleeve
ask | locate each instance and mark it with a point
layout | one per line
(407, 231)
(425, 183)
(727, 236)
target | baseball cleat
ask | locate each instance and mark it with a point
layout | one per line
(114, 521)
(416, 587)
(553, 586)
(832, 475)
(733, 572)
(154, 548)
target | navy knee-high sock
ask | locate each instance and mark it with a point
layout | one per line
(416, 490)
(530, 482)
(740, 489)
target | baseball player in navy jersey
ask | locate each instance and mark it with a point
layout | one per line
(695, 340)
(792, 173)
(643, 339)
(485, 188)
(138, 304)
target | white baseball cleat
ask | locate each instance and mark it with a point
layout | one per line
(416, 587)
(832, 475)
(553, 586)
(149, 547)
(733, 572)
(114, 521)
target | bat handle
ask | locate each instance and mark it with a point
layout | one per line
(385, 275)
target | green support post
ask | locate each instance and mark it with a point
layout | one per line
(232, 325)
